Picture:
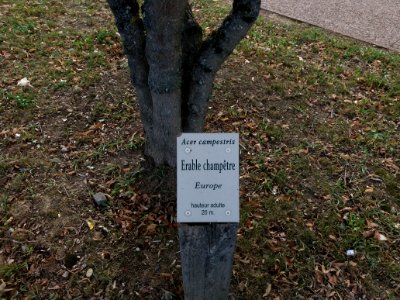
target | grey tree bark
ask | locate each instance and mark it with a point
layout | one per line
(206, 256)
(172, 67)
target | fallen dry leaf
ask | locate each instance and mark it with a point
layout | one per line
(332, 279)
(371, 224)
(151, 229)
(379, 236)
(369, 233)
(267, 290)
(369, 190)
(2, 286)
(90, 224)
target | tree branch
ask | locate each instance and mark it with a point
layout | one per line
(214, 52)
(130, 26)
(192, 37)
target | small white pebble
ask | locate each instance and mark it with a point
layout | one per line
(24, 82)
(89, 272)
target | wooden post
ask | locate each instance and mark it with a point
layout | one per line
(207, 257)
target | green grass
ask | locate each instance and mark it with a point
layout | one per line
(52, 56)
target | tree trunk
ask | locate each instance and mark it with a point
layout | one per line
(164, 25)
(171, 67)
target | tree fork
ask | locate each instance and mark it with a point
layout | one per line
(171, 68)
(214, 52)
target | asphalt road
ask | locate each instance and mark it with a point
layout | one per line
(373, 21)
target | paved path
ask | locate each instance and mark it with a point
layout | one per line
(373, 21)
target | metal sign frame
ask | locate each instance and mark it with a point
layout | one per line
(208, 178)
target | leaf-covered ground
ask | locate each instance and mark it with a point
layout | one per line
(319, 120)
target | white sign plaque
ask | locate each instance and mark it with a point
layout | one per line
(208, 178)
